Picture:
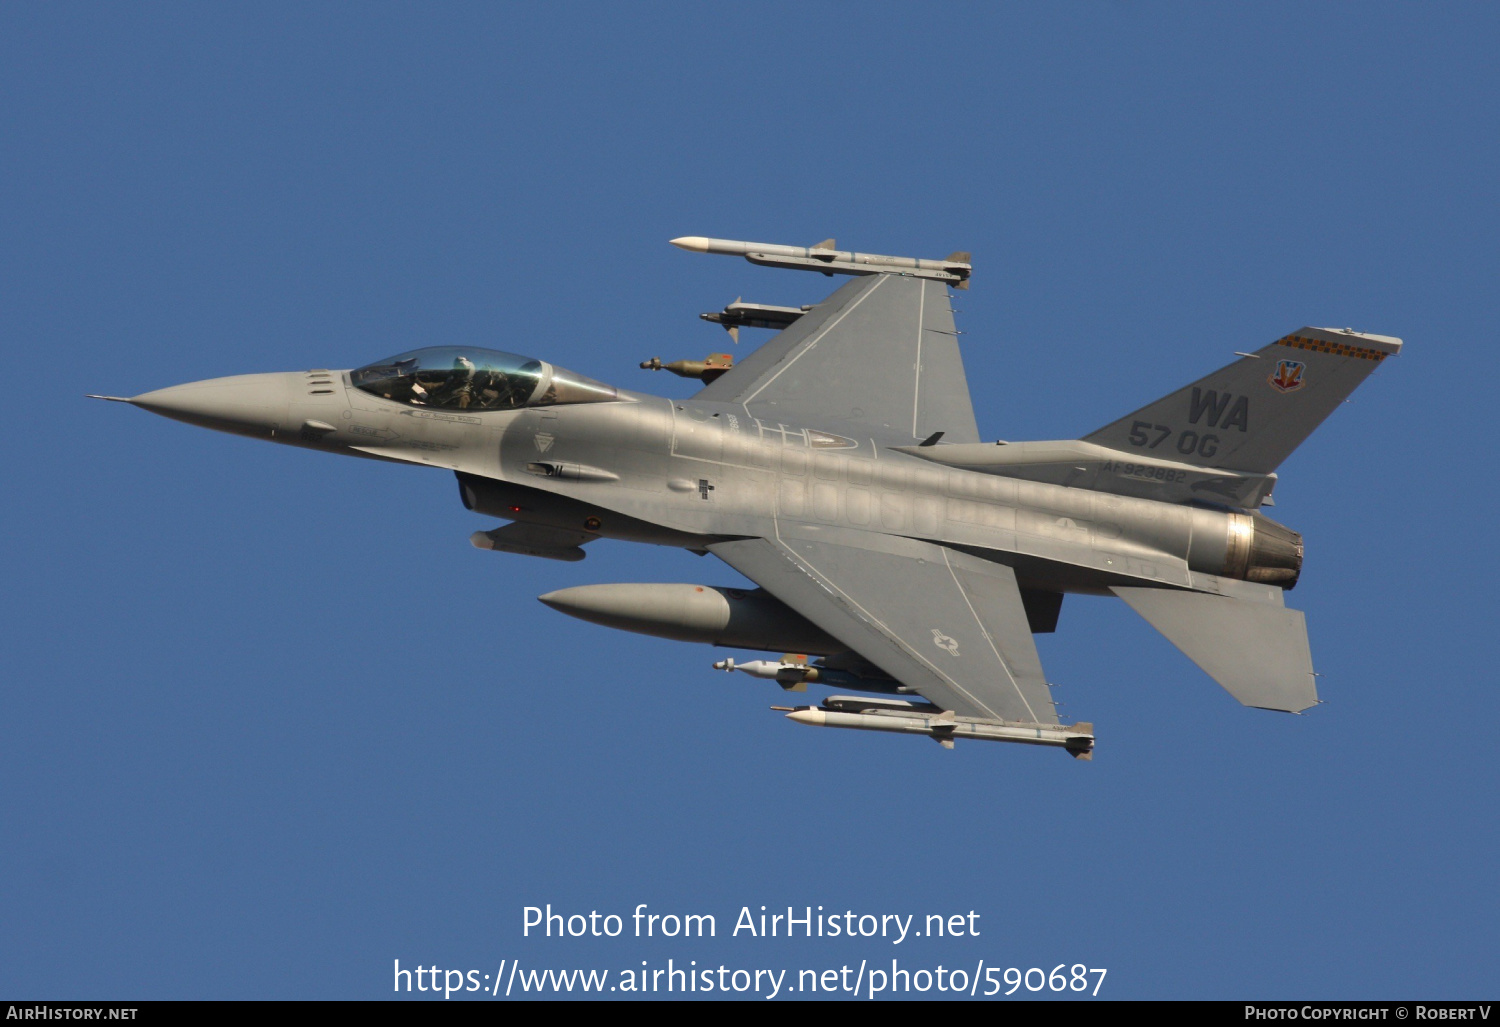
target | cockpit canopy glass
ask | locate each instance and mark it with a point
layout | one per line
(466, 378)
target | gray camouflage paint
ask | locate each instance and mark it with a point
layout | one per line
(795, 464)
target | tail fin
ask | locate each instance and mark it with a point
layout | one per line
(1250, 415)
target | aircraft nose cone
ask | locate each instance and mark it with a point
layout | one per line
(250, 404)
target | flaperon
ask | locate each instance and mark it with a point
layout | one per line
(839, 467)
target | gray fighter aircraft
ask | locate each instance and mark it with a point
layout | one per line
(839, 467)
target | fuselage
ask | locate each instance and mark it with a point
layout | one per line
(680, 473)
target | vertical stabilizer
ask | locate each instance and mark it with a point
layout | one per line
(1250, 415)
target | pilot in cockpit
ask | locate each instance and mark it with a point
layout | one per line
(458, 390)
(476, 380)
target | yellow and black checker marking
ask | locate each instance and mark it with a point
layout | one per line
(1342, 349)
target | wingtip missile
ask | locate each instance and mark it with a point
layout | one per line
(827, 260)
(943, 727)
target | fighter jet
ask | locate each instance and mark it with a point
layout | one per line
(839, 467)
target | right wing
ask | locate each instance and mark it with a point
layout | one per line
(948, 625)
(877, 358)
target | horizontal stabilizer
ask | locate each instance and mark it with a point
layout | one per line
(1257, 651)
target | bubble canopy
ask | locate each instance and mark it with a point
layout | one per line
(468, 378)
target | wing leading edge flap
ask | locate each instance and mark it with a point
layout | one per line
(879, 357)
(1257, 651)
(949, 625)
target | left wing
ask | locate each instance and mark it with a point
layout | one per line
(949, 625)
(877, 358)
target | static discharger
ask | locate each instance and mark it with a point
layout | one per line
(709, 368)
(824, 257)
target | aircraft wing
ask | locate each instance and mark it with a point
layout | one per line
(878, 358)
(949, 625)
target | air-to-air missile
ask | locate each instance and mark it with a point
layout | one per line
(865, 714)
(953, 269)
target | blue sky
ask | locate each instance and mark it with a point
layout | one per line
(272, 723)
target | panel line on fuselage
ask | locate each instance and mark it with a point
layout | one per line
(916, 395)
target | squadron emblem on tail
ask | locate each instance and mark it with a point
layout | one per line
(1288, 376)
